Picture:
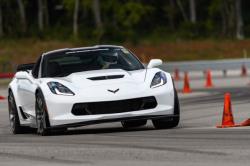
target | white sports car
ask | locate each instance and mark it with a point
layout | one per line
(81, 86)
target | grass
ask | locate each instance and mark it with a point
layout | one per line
(28, 50)
(194, 50)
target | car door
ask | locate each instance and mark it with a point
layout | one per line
(26, 90)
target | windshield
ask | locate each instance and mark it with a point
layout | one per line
(66, 63)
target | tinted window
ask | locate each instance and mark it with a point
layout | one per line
(69, 62)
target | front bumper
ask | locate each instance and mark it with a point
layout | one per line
(60, 107)
(78, 124)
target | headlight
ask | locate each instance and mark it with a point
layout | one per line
(158, 80)
(59, 89)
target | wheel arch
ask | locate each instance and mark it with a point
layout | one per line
(39, 90)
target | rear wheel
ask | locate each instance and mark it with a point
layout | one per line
(165, 123)
(42, 119)
(133, 123)
(15, 126)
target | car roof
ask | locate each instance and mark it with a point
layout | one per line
(80, 49)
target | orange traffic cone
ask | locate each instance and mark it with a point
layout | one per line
(243, 70)
(245, 123)
(186, 88)
(2, 98)
(209, 82)
(227, 119)
(176, 75)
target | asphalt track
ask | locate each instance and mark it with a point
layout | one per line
(195, 141)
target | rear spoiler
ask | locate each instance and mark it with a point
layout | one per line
(25, 67)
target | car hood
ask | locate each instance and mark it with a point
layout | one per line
(105, 77)
(97, 85)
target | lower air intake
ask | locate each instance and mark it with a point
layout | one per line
(110, 107)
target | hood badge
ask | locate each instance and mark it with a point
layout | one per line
(113, 91)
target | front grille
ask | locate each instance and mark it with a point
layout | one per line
(110, 107)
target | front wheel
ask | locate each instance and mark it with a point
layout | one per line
(170, 122)
(42, 120)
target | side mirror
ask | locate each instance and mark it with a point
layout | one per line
(22, 75)
(154, 63)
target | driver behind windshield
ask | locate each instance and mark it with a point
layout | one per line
(107, 61)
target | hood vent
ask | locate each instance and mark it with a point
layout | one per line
(106, 77)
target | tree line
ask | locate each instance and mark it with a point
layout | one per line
(124, 20)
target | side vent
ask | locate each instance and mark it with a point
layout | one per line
(22, 113)
(106, 77)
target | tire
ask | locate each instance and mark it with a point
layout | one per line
(15, 126)
(42, 120)
(166, 123)
(133, 123)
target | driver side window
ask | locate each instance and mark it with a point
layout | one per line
(35, 70)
